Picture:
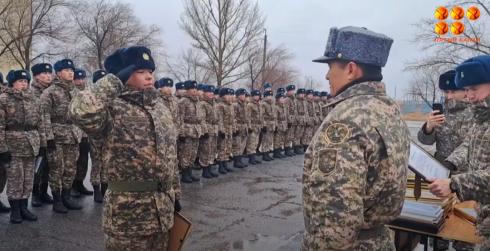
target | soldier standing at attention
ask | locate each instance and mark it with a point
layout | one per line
(199, 90)
(254, 127)
(241, 128)
(3, 174)
(139, 153)
(290, 106)
(190, 130)
(301, 118)
(62, 136)
(472, 158)
(355, 171)
(318, 110)
(268, 126)
(22, 138)
(322, 103)
(310, 119)
(78, 188)
(207, 143)
(179, 90)
(281, 126)
(216, 94)
(42, 79)
(226, 125)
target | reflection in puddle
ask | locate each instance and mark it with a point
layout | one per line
(265, 243)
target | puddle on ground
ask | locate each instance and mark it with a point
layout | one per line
(263, 243)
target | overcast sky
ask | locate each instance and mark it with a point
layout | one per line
(303, 26)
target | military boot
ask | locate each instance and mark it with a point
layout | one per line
(281, 154)
(289, 152)
(221, 168)
(45, 197)
(241, 161)
(276, 154)
(4, 208)
(186, 178)
(266, 157)
(36, 196)
(82, 189)
(237, 163)
(98, 198)
(205, 172)
(297, 150)
(15, 216)
(57, 204)
(67, 202)
(251, 159)
(212, 172)
(257, 159)
(74, 192)
(103, 188)
(192, 176)
(25, 213)
(228, 169)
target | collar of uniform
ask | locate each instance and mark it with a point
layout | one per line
(364, 88)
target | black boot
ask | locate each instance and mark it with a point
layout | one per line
(297, 150)
(57, 205)
(103, 188)
(98, 198)
(67, 202)
(212, 172)
(241, 161)
(269, 155)
(281, 154)
(251, 159)
(185, 176)
(257, 160)
(25, 213)
(221, 168)
(205, 172)
(276, 154)
(289, 152)
(266, 157)
(15, 216)
(45, 197)
(228, 169)
(4, 208)
(237, 163)
(74, 191)
(191, 175)
(36, 197)
(82, 189)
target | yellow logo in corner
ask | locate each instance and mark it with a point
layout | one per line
(146, 57)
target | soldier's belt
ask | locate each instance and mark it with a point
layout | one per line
(20, 128)
(143, 186)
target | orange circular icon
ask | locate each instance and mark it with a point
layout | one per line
(457, 13)
(442, 13)
(473, 13)
(442, 28)
(457, 28)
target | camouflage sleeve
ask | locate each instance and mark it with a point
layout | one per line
(3, 143)
(262, 110)
(176, 179)
(47, 108)
(201, 109)
(41, 130)
(459, 157)
(182, 110)
(89, 108)
(424, 138)
(249, 115)
(236, 111)
(472, 185)
(219, 117)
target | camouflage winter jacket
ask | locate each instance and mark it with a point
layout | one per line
(190, 118)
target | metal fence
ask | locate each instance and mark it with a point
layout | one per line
(411, 106)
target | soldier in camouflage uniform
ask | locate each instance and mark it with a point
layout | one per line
(42, 79)
(254, 127)
(318, 110)
(199, 90)
(142, 197)
(208, 141)
(268, 126)
(240, 133)
(471, 159)
(179, 90)
(3, 174)
(290, 106)
(216, 95)
(322, 103)
(78, 188)
(190, 121)
(62, 136)
(22, 138)
(310, 120)
(355, 171)
(281, 126)
(301, 120)
(226, 125)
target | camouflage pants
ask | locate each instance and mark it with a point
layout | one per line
(239, 143)
(207, 151)
(63, 165)
(82, 163)
(279, 139)
(308, 135)
(43, 177)
(188, 152)
(3, 178)
(156, 242)
(289, 141)
(267, 141)
(252, 142)
(298, 135)
(97, 175)
(224, 148)
(20, 176)
(457, 245)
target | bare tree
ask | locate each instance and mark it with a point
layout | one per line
(102, 26)
(223, 30)
(29, 25)
(443, 51)
(309, 83)
(189, 64)
(425, 86)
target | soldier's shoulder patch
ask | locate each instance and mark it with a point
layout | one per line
(337, 133)
(327, 160)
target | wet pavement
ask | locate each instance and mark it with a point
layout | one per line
(258, 208)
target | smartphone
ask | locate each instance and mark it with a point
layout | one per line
(438, 107)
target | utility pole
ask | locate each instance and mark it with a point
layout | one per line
(264, 57)
(395, 92)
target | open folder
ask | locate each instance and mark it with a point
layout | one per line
(179, 232)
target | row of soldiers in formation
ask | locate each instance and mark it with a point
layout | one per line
(217, 125)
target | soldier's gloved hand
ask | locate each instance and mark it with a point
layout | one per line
(290, 125)
(222, 135)
(264, 129)
(205, 136)
(250, 131)
(5, 157)
(182, 139)
(51, 145)
(235, 133)
(177, 206)
(42, 151)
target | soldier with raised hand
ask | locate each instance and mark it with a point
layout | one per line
(471, 159)
(254, 127)
(290, 106)
(281, 126)
(42, 80)
(355, 170)
(241, 128)
(62, 136)
(190, 121)
(226, 125)
(268, 126)
(301, 120)
(208, 141)
(22, 138)
(139, 152)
